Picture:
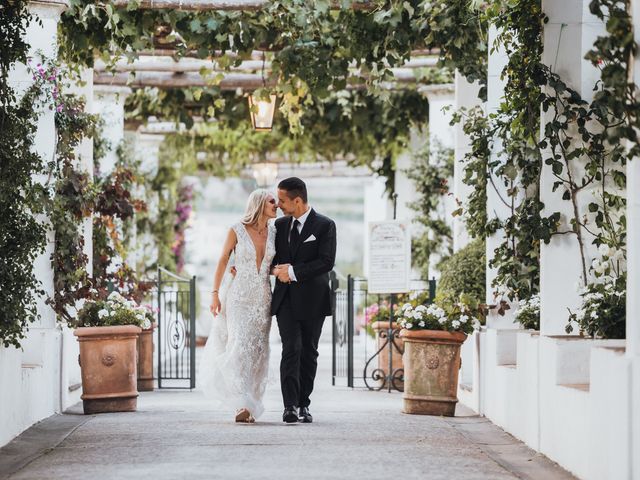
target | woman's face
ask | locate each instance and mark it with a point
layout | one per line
(270, 209)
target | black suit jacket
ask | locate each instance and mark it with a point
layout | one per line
(312, 261)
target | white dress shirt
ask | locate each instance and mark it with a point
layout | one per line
(301, 219)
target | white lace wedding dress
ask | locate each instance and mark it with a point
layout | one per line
(235, 361)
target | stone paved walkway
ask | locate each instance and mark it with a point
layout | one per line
(357, 435)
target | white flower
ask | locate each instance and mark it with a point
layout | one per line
(406, 307)
(421, 323)
(476, 324)
(116, 297)
(595, 264)
(441, 320)
(146, 324)
(421, 309)
(408, 325)
(102, 313)
(594, 314)
(604, 250)
(463, 318)
(455, 324)
(413, 295)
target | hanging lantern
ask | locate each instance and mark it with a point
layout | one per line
(262, 112)
(265, 174)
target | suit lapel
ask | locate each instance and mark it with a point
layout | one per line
(304, 233)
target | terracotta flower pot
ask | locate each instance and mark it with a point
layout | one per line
(108, 364)
(145, 360)
(431, 365)
(381, 329)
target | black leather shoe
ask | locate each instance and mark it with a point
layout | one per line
(304, 416)
(290, 415)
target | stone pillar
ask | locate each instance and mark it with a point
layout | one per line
(568, 35)
(31, 377)
(147, 147)
(375, 210)
(441, 136)
(466, 96)
(403, 184)
(633, 226)
(84, 153)
(633, 275)
(495, 205)
(108, 102)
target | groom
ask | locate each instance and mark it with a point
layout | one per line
(305, 254)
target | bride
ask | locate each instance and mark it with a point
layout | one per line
(235, 361)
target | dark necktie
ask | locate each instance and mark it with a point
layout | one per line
(295, 234)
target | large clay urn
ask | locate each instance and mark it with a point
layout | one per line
(145, 360)
(431, 366)
(382, 332)
(108, 363)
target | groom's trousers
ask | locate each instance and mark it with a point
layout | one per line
(300, 333)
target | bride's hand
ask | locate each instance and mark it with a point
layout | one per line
(215, 305)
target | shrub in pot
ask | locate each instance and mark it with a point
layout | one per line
(107, 330)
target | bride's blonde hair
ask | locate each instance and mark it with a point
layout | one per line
(255, 206)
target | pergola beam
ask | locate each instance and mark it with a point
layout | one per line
(253, 55)
(168, 64)
(230, 80)
(209, 5)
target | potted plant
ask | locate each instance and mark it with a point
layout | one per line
(432, 337)
(107, 330)
(145, 352)
(603, 310)
(528, 313)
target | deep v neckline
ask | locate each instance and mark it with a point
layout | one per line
(255, 249)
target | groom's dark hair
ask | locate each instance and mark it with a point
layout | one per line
(294, 188)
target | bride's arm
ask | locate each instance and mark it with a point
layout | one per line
(227, 249)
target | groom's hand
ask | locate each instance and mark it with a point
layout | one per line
(282, 273)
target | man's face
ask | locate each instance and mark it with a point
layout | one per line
(287, 205)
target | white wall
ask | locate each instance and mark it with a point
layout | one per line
(35, 381)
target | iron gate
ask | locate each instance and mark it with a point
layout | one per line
(354, 363)
(176, 331)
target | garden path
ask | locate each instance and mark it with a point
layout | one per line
(356, 434)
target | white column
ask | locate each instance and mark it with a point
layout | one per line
(441, 137)
(466, 96)
(495, 204)
(84, 155)
(404, 187)
(375, 210)
(147, 148)
(633, 226)
(568, 35)
(633, 275)
(441, 103)
(108, 102)
(31, 380)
